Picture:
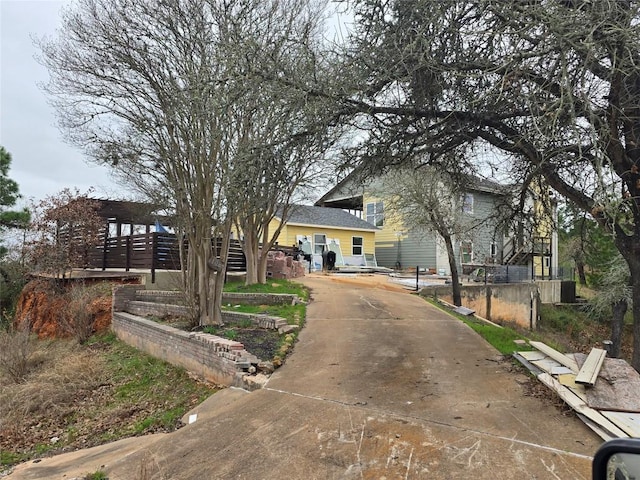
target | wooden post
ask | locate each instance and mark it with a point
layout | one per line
(154, 252)
(104, 248)
(128, 254)
(417, 278)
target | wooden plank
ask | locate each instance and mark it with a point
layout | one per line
(546, 364)
(562, 370)
(464, 311)
(629, 422)
(556, 355)
(569, 381)
(579, 406)
(532, 355)
(617, 388)
(596, 428)
(589, 371)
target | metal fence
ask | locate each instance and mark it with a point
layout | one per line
(516, 274)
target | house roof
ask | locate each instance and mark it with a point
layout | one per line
(345, 194)
(325, 217)
(348, 192)
(125, 211)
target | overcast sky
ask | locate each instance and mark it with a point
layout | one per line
(42, 163)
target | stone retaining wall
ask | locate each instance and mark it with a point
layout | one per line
(213, 358)
(176, 297)
(129, 298)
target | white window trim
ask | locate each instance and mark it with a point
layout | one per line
(375, 213)
(353, 246)
(462, 252)
(468, 207)
(315, 244)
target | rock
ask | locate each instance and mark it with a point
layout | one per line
(287, 329)
(266, 367)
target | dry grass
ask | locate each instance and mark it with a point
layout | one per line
(58, 364)
(15, 354)
(77, 396)
(61, 372)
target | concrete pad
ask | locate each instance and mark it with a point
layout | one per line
(82, 462)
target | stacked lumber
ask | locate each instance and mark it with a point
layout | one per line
(604, 392)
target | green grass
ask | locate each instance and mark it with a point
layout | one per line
(98, 475)
(11, 458)
(564, 319)
(502, 338)
(140, 378)
(272, 286)
(167, 419)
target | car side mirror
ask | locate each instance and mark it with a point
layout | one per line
(617, 459)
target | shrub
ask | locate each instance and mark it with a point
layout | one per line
(78, 321)
(15, 353)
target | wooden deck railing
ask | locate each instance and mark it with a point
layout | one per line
(151, 251)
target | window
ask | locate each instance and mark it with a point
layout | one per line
(375, 214)
(466, 252)
(356, 245)
(494, 250)
(467, 203)
(319, 243)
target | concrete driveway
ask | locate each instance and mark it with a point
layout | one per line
(380, 386)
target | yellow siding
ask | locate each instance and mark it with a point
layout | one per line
(388, 233)
(544, 222)
(288, 236)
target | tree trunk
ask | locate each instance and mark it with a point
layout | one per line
(262, 267)
(635, 279)
(249, 248)
(453, 266)
(630, 250)
(582, 278)
(203, 254)
(617, 327)
(219, 276)
(263, 253)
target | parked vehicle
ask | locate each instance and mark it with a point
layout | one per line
(617, 459)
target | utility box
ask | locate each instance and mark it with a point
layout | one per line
(568, 291)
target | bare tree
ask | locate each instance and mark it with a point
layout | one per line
(283, 130)
(431, 201)
(157, 89)
(552, 86)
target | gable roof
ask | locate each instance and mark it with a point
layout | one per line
(348, 193)
(325, 217)
(481, 184)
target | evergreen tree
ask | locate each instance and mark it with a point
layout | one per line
(9, 195)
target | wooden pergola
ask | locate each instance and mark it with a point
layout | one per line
(151, 250)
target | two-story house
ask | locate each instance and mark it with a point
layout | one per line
(399, 245)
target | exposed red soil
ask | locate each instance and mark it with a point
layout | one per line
(43, 307)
